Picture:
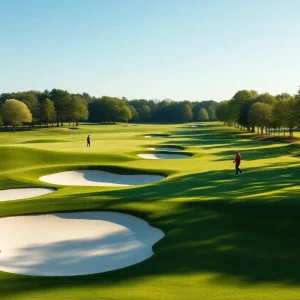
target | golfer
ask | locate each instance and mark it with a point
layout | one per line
(237, 162)
(88, 141)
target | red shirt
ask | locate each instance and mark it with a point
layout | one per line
(238, 158)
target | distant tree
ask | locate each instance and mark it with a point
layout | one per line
(186, 113)
(211, 110)
(243, 118)
(283, 96)
(125, 114)
(31, 100)
(297, 108)
(203, 115)
(15, 112)
(78, 110)
(144, 113)
(1, 122)
(87, 97)
(266, 98)
(109, 109)
(290, 114)
(235, 103)
(279, 113)
(134, 113)
(47, 112)
(61, 101)
(222, 112)
(260, 115)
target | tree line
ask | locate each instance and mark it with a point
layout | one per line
(58, 106)
(265, 113)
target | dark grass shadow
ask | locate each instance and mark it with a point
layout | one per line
(212, 185)
(251, 241)
(246, 227)
(263, 152)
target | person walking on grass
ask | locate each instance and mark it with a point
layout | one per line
(237, 162)
(88, 141)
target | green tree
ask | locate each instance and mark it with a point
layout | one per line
(266, 98)
(260, 115)
(186, 113)
(144, 112)
(297, 107)
(203, 115)
(31, 100)
(291, 114)
(222, 112)
(47, 112)
(235, 103)
(283, 96)
(211, 110)
(125, 114)
(134, 113)
(243, 119)
(78, 109)
(1, 122)
(15, 112)
(61, 101)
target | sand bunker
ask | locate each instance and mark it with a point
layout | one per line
(156, 136)
(98, 178)
(162, 156)
(23, 193)
(170, 149)
(68, 244)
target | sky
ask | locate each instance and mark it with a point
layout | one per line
(152, 49)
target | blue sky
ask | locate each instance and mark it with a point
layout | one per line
(178, 49)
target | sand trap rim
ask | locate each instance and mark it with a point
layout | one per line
(29, 187)
(136, 213)
(134, 224)
(120, 170)
(156, 135)
(179, 148)
(189, 154)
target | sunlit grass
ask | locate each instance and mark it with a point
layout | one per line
(226, 237)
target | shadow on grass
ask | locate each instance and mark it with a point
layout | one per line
(248, 229)
(258, 153)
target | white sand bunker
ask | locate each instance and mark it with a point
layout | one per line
(156, 136)
(170, 149)
(68, 244)
(191, 126)
(162, 156)
(99, 178)
(23, 193)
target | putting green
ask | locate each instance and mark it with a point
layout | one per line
(226, 237)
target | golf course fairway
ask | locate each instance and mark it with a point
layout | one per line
(225, 237)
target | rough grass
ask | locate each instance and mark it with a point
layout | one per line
(226, 237)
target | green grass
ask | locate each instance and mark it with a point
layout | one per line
(226, 237)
